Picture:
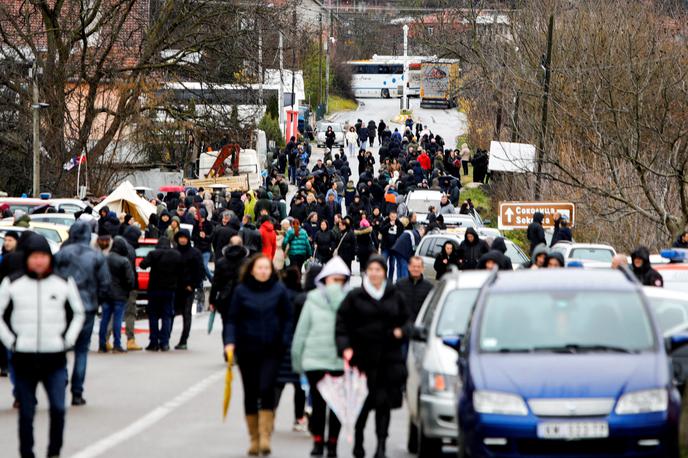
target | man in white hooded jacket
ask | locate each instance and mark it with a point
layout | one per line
(43, 315)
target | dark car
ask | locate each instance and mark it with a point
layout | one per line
(571, 364)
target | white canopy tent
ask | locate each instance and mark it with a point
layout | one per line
(125, 200)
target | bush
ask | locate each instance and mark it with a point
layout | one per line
(271, 127)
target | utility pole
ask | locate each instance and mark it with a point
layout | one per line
(320, 56)
(327, 65)
(293, 64)
(35, 106)
(280, 96)
(260, 64)
(406, 70)
(545, 105)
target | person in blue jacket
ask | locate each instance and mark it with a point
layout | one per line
(257, 329)
(405, 247)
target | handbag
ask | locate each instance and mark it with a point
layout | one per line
(336, 250)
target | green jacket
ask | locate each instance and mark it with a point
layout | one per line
(314, 347)
(298, 245)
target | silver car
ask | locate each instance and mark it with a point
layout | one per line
(431, 386)
(431, 245)
(321, 129)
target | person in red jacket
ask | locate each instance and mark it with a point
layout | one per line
(425, 162)
(269, 237)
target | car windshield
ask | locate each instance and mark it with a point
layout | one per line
(592, 254)
(517, 257)
(143, 250)
(421, 205)
(671, 313)
(565, 321)
(48, 234)
(455, 312)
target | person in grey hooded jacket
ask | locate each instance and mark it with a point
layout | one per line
(88, 268)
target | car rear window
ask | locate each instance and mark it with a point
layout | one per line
(592, 254)
(528, 321)
(455, 312)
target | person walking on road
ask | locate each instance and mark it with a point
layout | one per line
(43, 314)
(369, 335)
(643, 270)
(405, 247)
(536, 233)
(471, 250)
(363, 138)
(190, 278)
(297, 244)
(325, 242)
(122, 277)
(449, 256)
(390, 230)
(372, 132)
(414, 288)
(314, 351)
(351, 141)
(89, 270)
(203, 238)
(131, 237)
(346, 248)
(257, 330)
(165, 264)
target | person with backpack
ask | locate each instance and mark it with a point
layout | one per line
(89, 269)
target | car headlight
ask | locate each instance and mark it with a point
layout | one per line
(495, 402)
(645, 401)
(442, 383)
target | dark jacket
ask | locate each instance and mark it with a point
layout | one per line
(366, 325)
(85, 265)
(536, 234)
(325, 242)
(495, 256)
(226, 277)
(191, 273)
(500, 245)
(121, 272)
(251, 238)
(645, 273)
(561, 234)
(236, 204)
(472, 252)
(414, 293)
(390, 233)
(204, 244)
(165, 266)
(452, 260)
(222, 234)
(406, 244)
(259, 319)
(346, 248)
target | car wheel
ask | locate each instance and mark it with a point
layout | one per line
(428, 447)
(385, 93)
(412, 444)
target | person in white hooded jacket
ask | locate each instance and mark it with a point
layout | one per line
(43, 315)
(314, 352)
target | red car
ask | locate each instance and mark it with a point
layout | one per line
(145, 247)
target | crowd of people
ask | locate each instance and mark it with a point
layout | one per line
(282, 261)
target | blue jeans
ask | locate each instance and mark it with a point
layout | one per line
(292, 174)
(81, 354)
(206, 260)
(160, 308)
(114, 310)
(55, 383)
(402, 268)
(391, 261)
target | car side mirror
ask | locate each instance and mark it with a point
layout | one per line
(419, 333)
(453, 342)
(676, 341)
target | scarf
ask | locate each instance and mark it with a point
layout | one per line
(374, 292)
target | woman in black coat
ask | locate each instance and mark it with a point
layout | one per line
(330, 137)
(346, 248)
(472, 249)
(325, 242)
(369, 334)
(449, 256)
(257, 329)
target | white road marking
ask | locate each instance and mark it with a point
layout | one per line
(148, 420)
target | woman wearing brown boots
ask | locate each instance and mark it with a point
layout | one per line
(257, 329)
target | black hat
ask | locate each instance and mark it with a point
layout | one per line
(12, 234)
(377, 259)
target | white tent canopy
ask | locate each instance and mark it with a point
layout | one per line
(125, 200)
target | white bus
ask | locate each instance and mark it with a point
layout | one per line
(383, 76)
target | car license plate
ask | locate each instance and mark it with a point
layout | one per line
(573, 430)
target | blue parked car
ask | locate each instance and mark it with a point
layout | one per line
(566, 363)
